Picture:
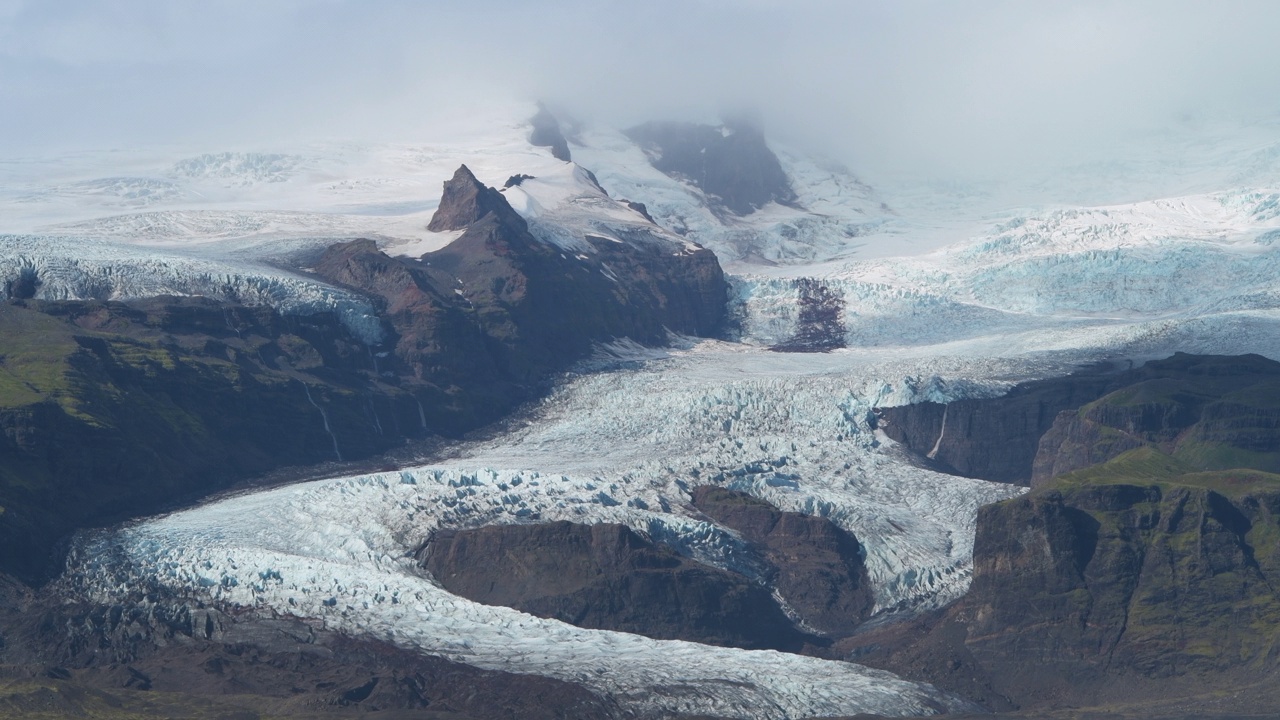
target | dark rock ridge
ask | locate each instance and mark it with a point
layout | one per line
(546, 133)
(497, 310)
(163, 657)
(466, 200)
(994, 438)
(1096, 587)
(818, 568)
(610, 578)
(1144, 574)
(110, 410)
(733, 164)
(1203, 413)
(820, 325)
(1001, 438)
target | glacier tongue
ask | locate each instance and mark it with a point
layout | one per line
(85, 269)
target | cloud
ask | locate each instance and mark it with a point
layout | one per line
(934, 86)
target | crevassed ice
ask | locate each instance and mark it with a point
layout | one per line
(85, 269)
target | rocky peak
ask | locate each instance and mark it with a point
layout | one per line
(731, 163)
(467, 200)
(546, 133)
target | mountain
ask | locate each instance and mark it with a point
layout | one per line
(748, 438)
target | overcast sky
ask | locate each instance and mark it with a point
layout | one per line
(917, 84)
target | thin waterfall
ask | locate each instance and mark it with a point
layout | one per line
(373, 413)
(325, 417)
(933, 454)
(422, 414)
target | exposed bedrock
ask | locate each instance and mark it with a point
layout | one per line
(1207, 410)
(546, 132)
(1141, 566)
(1089, 587)
(820, 323)
(818, 567)
(499, 307)
(607, 577)
(109, 411)
(993, 439)
(732, 165)
(1196, 413)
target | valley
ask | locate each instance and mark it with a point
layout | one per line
(765, 446)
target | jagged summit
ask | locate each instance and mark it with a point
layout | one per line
(466, 200)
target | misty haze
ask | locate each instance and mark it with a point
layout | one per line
(715, 359)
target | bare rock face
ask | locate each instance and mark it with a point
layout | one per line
(547, 133)
(1088, 590)
(607, 577)
(732, 164)
(1141, 567)
(1205, 409)
(1206, 413)
(993, 439)
(818, 567)
(485, 319)
(820, 325)
(128, 408)
(466, 200)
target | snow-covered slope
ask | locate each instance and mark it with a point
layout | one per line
(938, 305)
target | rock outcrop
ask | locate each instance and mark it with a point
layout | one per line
(1205, 409)
(607, 577)
(820, 325)
(467, 200)
(1204, 413)
(546, 132)
(490, 315)
(1087, 587)
(1142, 564)
(996, 438)
(818, 568)
(732, 164)
(109, 411)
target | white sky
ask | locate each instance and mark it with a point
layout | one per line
(935, 86)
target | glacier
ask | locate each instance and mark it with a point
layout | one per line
(942, 299)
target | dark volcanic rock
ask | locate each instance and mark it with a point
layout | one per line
(996, 438)
(487, 317)
(606, 577)
(820, 325)
(109, 411)
(1142, 565)
(1208, 413)
(818, 567)
(642, 209)
(546, 133)
(466, 200)
(1084, 590)
(1213, 407)
(733, 164)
